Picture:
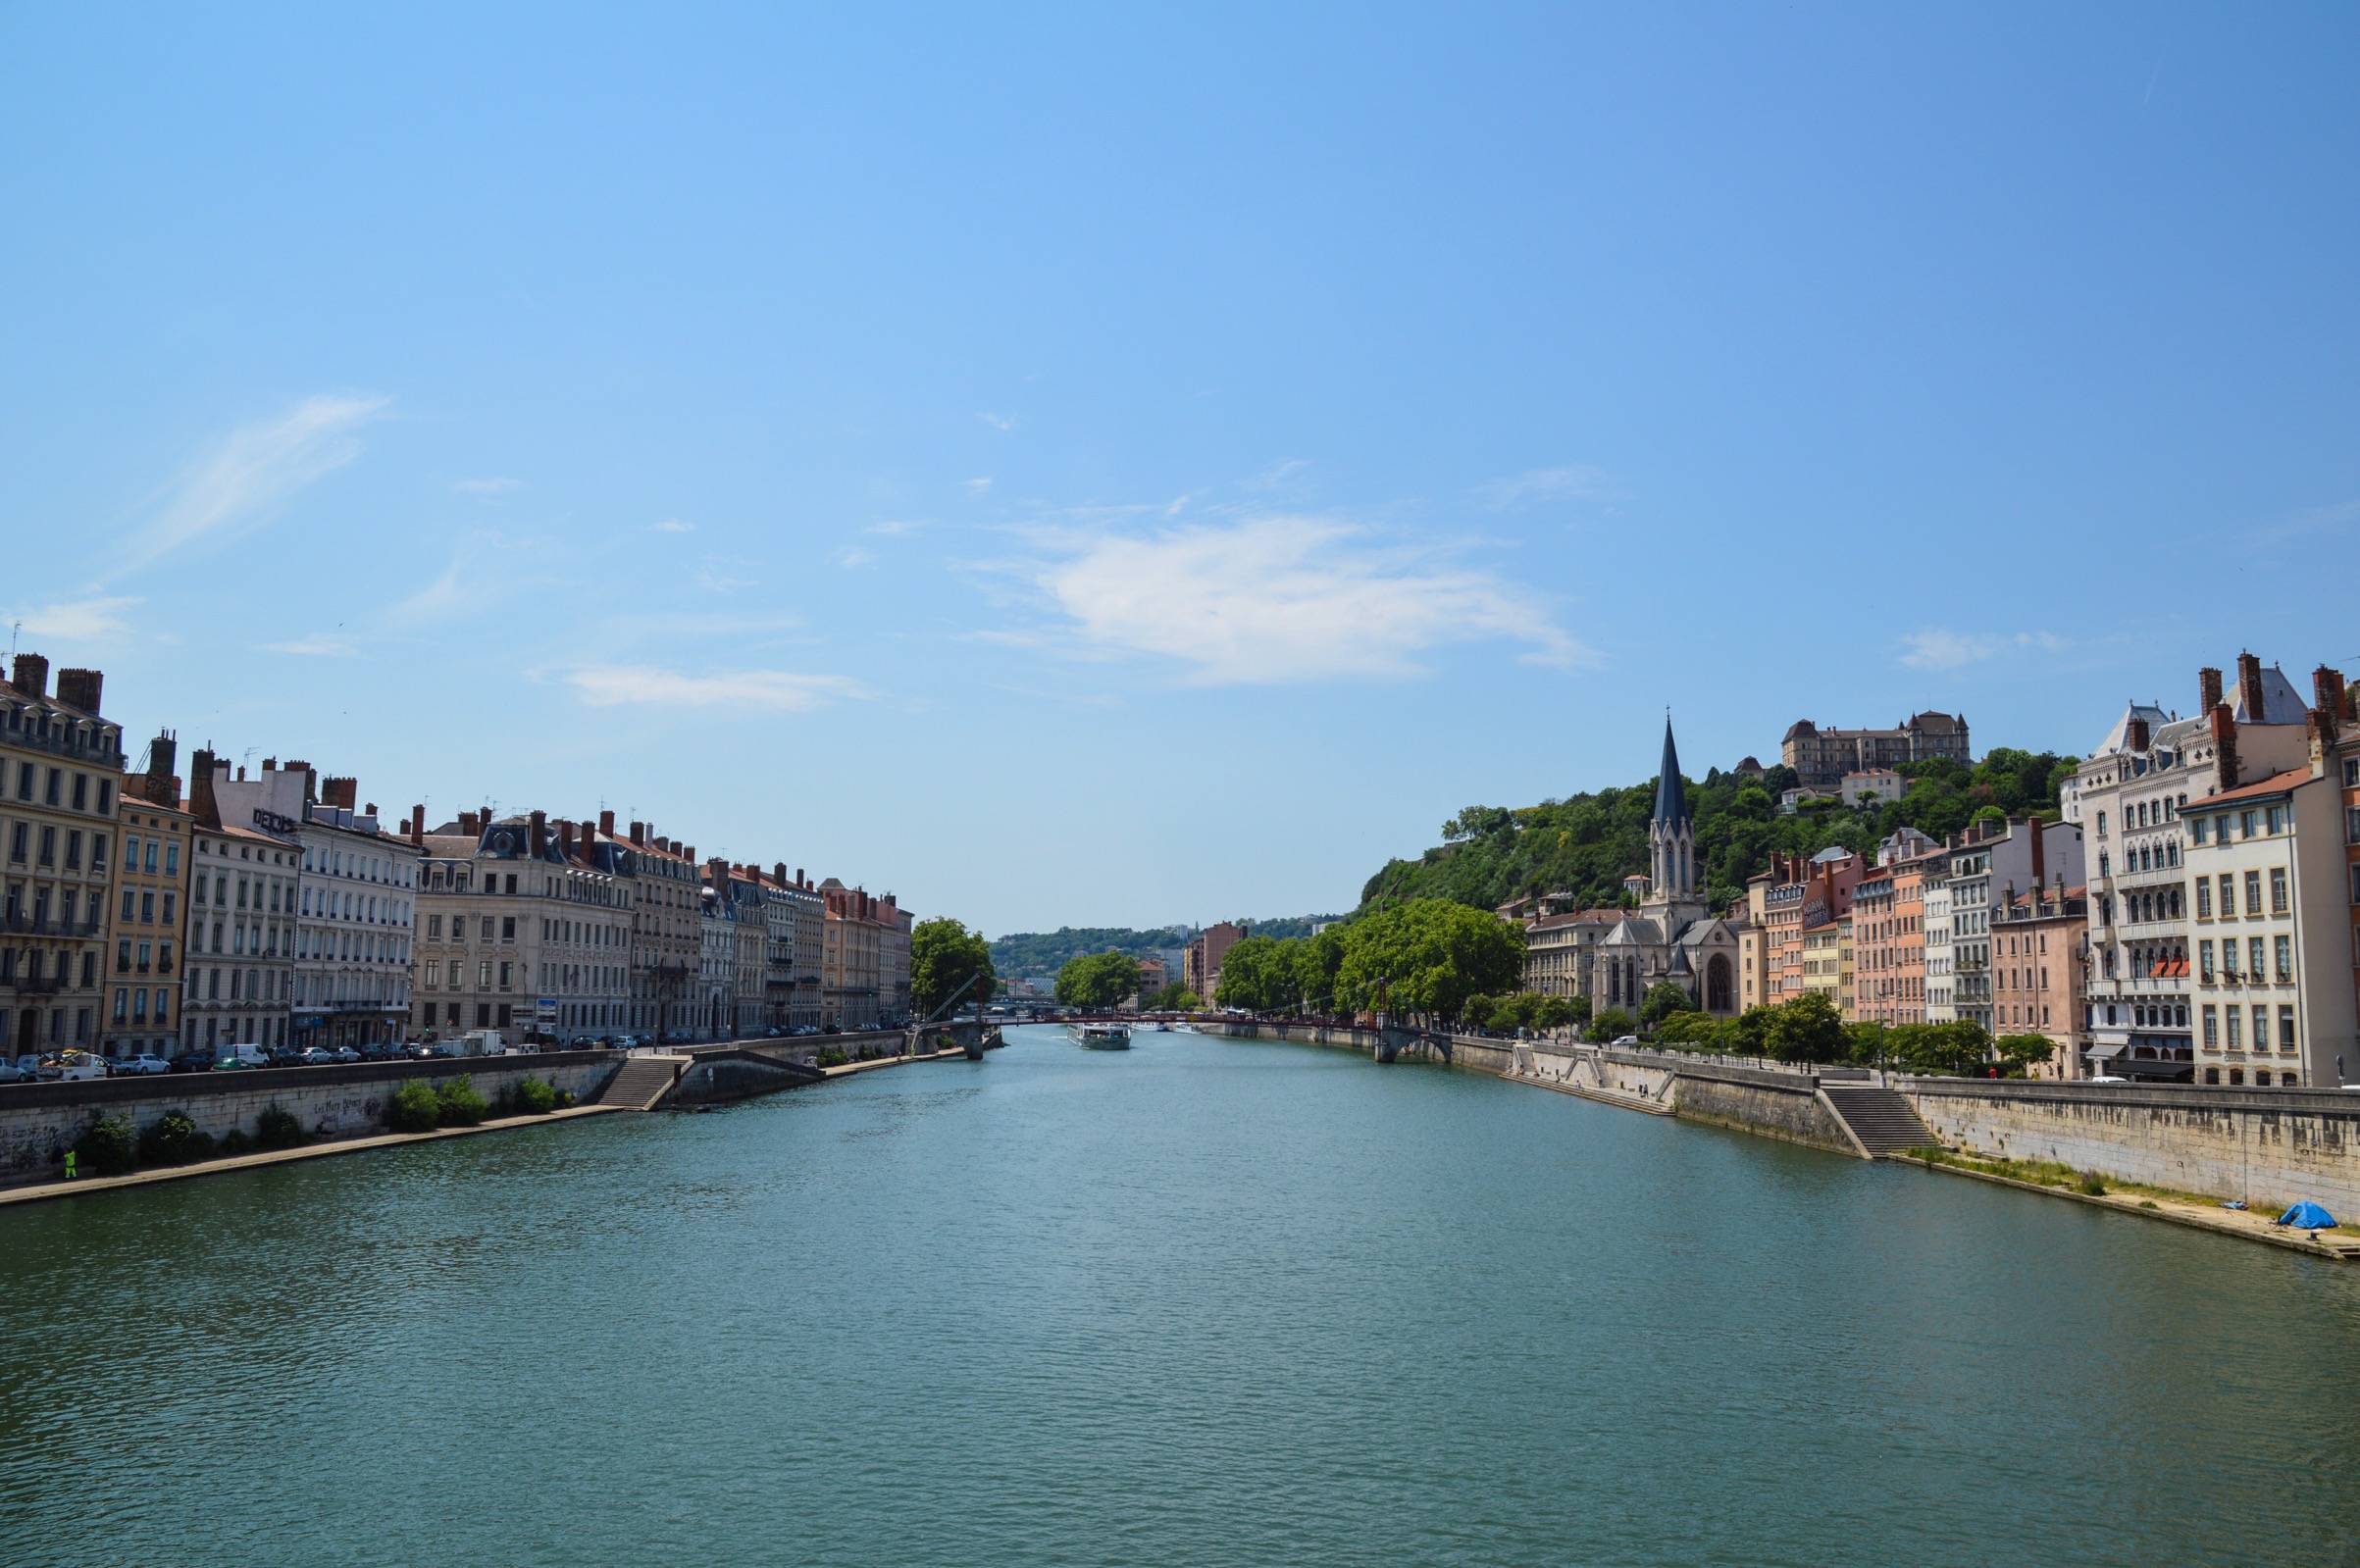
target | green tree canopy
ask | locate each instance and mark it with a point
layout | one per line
(1098, 981)
(1808, 1029)
(944, 955)
(1259, 973)
(1428, 957)
(1662, 999)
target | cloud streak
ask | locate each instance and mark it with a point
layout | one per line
(743, 691)
(1939, 648)
(77, 620)
(248, 476)
(1275, 599)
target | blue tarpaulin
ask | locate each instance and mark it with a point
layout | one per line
(2307, 1216)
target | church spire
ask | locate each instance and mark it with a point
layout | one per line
(1671, 796)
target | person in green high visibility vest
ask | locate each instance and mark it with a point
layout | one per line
(69, 1165)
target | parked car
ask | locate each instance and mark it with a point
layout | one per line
(140, 1066)
(234, 1057)
(315, 1056)
(28, 1068)
(193, 1061)
(345, 1054)
(75, 1066)
(421, 1052)
(11, 1073)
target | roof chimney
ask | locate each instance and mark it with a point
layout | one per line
(78, 689)
(2136, 735)
(160, 789)
(565, 838)
(798, 878)
(2207, 689)
(418, 824)
(2327, 691)
(33, 675)
(639, 834)
(606, 823)
(2225, 746)
(344, 792)
(540, 834)
(201, 804)
(2249, 687)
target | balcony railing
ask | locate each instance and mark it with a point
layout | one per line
(33, 926)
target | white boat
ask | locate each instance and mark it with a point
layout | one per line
(1099, 1037)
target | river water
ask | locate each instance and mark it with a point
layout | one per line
(1208, 1302)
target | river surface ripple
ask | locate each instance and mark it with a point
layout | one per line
(1208, 1302)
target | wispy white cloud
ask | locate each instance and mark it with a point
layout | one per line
(894, 528)
(673, 525)
(485, 486)
(977, 486)
(250, 476)
(1533, 485)
(1941, 648)
(756, 690)
(715, 575)
(1287, 599)
(315, 645)
(76, 620)
(851, 556)
(1002, 422)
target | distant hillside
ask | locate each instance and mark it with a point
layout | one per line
(1028, 952)
(1588, 843)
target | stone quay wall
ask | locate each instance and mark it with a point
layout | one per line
(39, 1121)
(2266, 1147)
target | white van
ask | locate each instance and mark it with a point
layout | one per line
(247, 1055)
(482, 1042)
(75, 1066)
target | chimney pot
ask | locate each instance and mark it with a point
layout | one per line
(2249, 687)
(79, 689)
(33, 675)
(540, 830)
(638, 832)
(201, 804)
(606, 823)
(2207, 689)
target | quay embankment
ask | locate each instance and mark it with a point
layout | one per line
(345, 1109)
(2175, 1152)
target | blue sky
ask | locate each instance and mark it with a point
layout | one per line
(1102, 465)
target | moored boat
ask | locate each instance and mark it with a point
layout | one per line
(1099, 1037)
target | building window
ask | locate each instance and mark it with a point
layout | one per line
(2204, 960)
(2236, 1028)
(2286, 1028)
(2204, 896)
(2253, 970)
(2253, 893)
(2283, 949)
(2196, 829)
(2277, 889)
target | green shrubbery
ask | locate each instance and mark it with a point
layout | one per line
(278, 1127)
(833, 1057)
(414, 1108)
(108, 1146)
(172, 1139)
(534, 1097)
(459, 1104)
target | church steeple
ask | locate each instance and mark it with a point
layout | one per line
(1670, 837)
(1671, 796)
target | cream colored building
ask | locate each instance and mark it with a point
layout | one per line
(151, 896)
(59, 765)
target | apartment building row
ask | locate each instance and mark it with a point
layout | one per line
(2193, 916)
(279, 910)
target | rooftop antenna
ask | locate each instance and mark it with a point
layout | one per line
(15, 630)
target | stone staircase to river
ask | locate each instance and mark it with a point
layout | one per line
(640, 1081)
(1883, 1123)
